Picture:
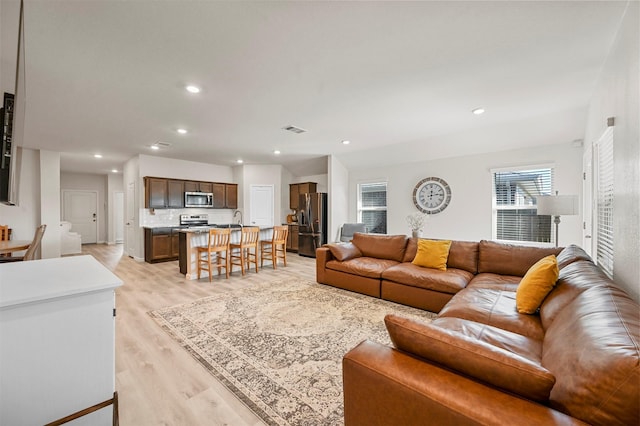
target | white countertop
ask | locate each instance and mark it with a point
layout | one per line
(36, 280)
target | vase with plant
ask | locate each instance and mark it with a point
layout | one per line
(416, 221)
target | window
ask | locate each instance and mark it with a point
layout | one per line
(372, 206)
(604, 206)
(514, 204)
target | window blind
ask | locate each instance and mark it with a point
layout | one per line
(605, 203)
(514, 204)
(372, 206)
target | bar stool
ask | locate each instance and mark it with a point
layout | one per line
(248, 240)
(276, 247)
(218, 246)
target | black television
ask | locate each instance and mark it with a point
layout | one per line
(11, 132)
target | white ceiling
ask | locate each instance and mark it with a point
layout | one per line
(397, 79)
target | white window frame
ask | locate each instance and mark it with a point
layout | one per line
(495, 207)
(604, 202)
(360, 208)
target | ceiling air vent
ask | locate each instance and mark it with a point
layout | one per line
(163, 144)
(294, 129)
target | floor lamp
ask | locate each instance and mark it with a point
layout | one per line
(556, 206)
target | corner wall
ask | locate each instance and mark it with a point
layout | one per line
(617, 95)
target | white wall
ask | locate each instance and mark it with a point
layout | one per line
(262, 175)
(617, 95)
(50, 198)
(89, 182)
(321, 180)
(469, 214)
(114, 184)
(339, 198)
(180, 169)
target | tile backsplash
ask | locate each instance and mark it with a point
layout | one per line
(171, 217)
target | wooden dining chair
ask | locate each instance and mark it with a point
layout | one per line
(32, 251)
(218, 248)
(4, 236)
(276, 247)
(241, 252)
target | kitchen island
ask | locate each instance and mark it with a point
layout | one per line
(191, 238)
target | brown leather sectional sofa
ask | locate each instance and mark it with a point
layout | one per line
(576, 361)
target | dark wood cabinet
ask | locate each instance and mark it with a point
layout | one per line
(161, 244)
(231, 195)
(175, 194)
(163, 193)
(225, 196)
(295, 189)
(197, 186)
(155, 193)
(292, 238)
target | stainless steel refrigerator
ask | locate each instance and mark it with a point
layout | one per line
(312, 222)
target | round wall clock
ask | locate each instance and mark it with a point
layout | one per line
(431, 195)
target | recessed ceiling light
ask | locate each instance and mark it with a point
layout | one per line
(239, 161)
(114, 170)
(346, 142)
(276, 152)
(478, 111)
(182, 131)
(155, 147)
(192, 89)
(97, 155)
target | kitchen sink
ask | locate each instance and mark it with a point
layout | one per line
(229, 225)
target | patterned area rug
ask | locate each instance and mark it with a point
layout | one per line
(278, 346)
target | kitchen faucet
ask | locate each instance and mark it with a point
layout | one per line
(241, 219)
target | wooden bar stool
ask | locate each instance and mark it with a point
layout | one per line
(218, 246)
(276, 247)
(248, 240)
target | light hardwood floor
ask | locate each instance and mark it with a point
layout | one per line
(158, 382)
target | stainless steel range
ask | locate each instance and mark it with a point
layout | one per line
(194, 220)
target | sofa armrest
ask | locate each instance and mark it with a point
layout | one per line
(323, 255)
(383, 386)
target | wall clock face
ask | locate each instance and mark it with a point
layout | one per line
(431, 195)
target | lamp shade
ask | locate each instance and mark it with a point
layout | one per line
(557, 205)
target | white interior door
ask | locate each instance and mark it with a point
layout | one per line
(261, 205)
(131, 219)
(118, 216)
(80, 208)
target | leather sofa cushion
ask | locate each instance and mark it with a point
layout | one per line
(572, 280)
(381, 246)
(571, 254)
(493, 307)
(462, 254)
(593, 349)
(464, 352)
(508, 259)
(364, 266)
(344, 251)
(495, 281)
(450, 281)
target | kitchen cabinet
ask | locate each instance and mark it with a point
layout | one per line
(295, 189)
(163, 193)
(292, 238)
(225, 196)
(175, 194)
(197, 186)
(161, 244)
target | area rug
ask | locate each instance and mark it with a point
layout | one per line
(278, 346)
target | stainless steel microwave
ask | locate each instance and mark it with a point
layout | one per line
(198, 199)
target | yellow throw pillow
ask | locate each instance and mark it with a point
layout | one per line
(432, 254)
(536, 284)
